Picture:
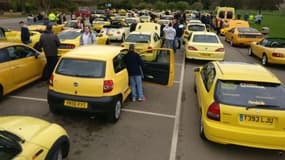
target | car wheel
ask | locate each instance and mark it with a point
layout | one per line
(202, 134)
(264, 60)
(107, 42)
(115, 115)
(250, 51)
(1, 92)
(123, 38)
(54, 109)
(58, 155)
(232, 42)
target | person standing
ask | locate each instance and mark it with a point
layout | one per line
(50, 43)
(134, 64)
(25, 33)
(87, 37)
(170, 34)
(179, 31)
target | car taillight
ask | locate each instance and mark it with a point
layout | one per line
(70, 46)
(118, 32)
(102, 31)
(277, 54)
(192, 48)
(220, 50)
(214, 111)
(51, 80)
(122, 45)
(108, 86)
(149, 49)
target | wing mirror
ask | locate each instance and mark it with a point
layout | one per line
(197, 69)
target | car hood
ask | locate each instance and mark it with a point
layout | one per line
(23, 126)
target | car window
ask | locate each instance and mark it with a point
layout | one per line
(4, 56)
(265, 43)
(229, 14)
(81, 68)
(222, 14)
(247, 30)
(247, 94)
(196, 28)
(139, 38)
(208, 75)
(9, 144)
(119, 63)
(23, 51)
(205, 39)
(68, 35)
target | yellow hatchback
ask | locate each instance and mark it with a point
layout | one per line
(204, 46)
(28, 138)
(95, 79)
(240, 104)
(193, 27)
(41, 27)
(19, 65)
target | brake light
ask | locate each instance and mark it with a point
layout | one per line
(122, 45)
(220, 50)
(51, 80)
(70, 46)
(192, 48)
(277, 54)
(102, 31)
(118, 32)
(214, 111)
(149, 49)
(108, 86)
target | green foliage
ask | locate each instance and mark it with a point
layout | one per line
(182, 5)
(171, 5)
(197, 6)
(160, 5)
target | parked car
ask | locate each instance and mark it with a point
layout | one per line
(117, 30)
(204, 46)
(95, 79)
(100, 22)
(193, 27)
(233, 23)
(240, 104)
(40, 26)
(269, 50)
(242, 36)
(23, 137)
(19, 66)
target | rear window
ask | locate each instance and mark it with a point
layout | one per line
(205, 39)
(130, 20)
(68, 35)
(139, 38)
(222, 14)
(196, 28)
(248, 94)
(81, 68)
(229, 15)
(247, 30)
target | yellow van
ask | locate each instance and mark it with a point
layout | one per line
(223, 14)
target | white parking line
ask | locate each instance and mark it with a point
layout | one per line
(176, 82)
(178, 64)
(174, 142)
(124, 109)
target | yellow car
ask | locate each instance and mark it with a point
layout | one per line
(19, 65)
(70, 39)
(232, 24)
(145, 37)
(193, 27)
(270, 50)
(204, 46)
(41, 27)
(95, 79)
(241, 36)
(23, 138)
(15, 36)
(240, 104)
(144, 19)
(131, 20)
(99, 22)
(117, 30)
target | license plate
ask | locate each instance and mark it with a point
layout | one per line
(76, 104)
(205, 54)
(110, 34)
(256, 119)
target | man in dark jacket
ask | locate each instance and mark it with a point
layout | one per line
(134, 63)
(179, 33)
(25, 34)
(49, 42)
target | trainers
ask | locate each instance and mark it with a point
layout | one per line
(133, 99)
(141, 99)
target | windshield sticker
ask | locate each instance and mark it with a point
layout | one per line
(249, 85)
(229, 86)
(256, 102)
(262, 97)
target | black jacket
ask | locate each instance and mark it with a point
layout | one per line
(179, 31)
(25, 34)
(133, 62)
(49, 42)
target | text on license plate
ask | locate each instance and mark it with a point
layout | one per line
(256, 119)
(205, 54)
(76, 104)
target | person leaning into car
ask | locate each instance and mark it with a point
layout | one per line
(49, 42)
(25, 34)
(87, 37)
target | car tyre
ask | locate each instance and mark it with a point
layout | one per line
(1, 92)
(123, 38)
(116, 114)
(59, 149)
(202, 134)
(250, 51)
(58, 155)
(264, 60)
(232, 42)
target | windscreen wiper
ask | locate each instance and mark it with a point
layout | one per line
(262, 106)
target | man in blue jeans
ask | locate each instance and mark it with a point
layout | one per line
(134, 64)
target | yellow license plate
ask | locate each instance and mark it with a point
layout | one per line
(205, 54)
(256, 119)
(76, 104)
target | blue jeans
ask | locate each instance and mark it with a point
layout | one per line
(136, 85)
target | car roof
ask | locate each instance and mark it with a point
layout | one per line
(7, 44)
(145, 33)
(100, 52)
(203, 33)
(196, 24)
(228, 70)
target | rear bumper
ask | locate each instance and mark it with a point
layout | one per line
(95, 104)
(205, 55)
(257, 138)
(276, 60)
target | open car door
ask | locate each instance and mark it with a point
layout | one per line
(161, 69)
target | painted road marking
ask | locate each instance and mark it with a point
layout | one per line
(176, 82)
(174, 141)
(123, 109)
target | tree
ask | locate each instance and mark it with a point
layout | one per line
(171, 5)
(160, 5)
(197, 6)
(182, 5)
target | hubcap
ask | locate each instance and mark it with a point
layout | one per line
(118, 109)
(264, 59)
(201, 126)
(249, 51)
(59, 155)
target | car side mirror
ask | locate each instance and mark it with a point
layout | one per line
(197, 69)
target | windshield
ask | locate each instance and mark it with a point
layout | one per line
(196, 28)
(9, 146)
(249, 94)
(130, 20)
(247, 30)
(68, 35)
(139, 38)
(70, 24)
(81, 68)
(205, 39)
